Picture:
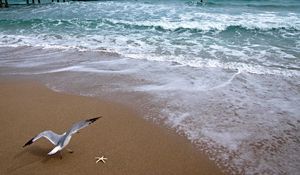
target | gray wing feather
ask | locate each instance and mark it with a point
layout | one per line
(81, 124)
(50, 135)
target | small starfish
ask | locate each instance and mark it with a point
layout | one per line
(100, 158)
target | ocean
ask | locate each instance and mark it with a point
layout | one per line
(223, 73)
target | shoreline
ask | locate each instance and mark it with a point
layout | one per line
(131, 144)
(224, 113)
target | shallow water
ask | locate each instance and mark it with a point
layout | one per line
(247, 122)
(225, 73)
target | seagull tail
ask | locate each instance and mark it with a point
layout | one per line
(57, 148)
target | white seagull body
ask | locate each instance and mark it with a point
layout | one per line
(61, 141)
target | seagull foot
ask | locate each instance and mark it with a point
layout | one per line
(103, 159)
(70, 151)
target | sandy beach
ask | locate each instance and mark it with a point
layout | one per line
(184, 86)
(131, 144)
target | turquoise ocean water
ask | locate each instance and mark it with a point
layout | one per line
(260, 36)
(224, 73)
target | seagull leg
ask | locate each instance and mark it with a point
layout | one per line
(60, 154)
(70, 151)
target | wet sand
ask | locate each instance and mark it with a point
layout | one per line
(131, 144)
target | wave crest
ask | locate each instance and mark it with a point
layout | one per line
(160, 26)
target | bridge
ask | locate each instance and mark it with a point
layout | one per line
(6, 3)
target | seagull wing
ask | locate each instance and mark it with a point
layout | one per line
(50, 135)
(81, 124)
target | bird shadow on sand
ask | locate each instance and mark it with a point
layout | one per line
(34, 150)
(29, 156)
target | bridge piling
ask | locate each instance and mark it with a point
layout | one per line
(3, 4)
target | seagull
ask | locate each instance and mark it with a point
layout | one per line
(61, 141)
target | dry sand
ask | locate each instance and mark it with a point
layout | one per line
(131, 144)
